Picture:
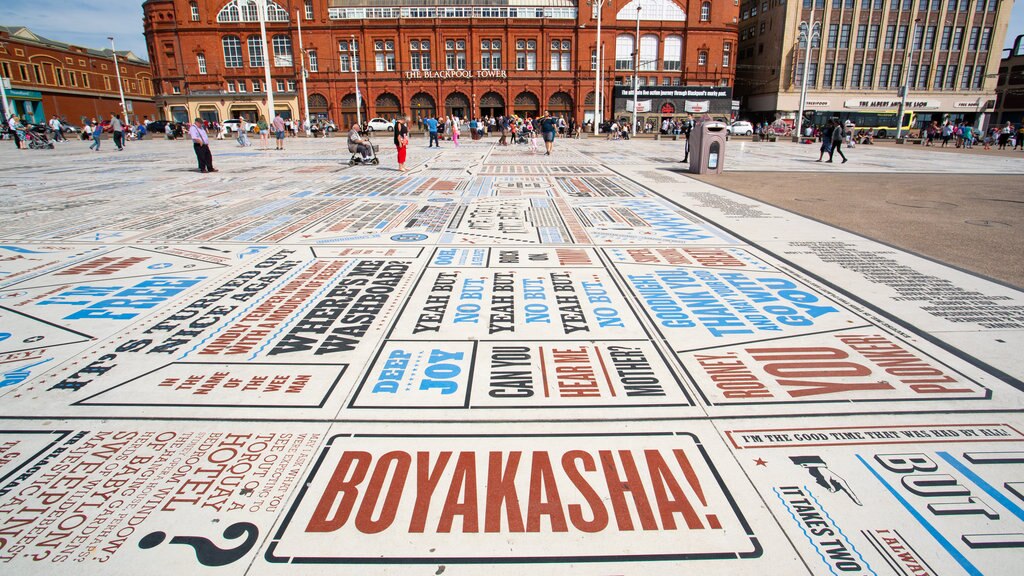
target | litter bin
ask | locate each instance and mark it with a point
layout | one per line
(707, 147)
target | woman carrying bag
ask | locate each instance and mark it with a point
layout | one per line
(401, 141)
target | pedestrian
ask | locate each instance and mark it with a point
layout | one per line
(1004, 135)
(201, 145)
(837, 140)
(431, 124)
(455, 132)
(263, 129)
(169, 130)
(503, 126)
(223, 131)
(1019, 138)
(57, 129)
(243, 133)
(548, 128)
(826, 142)
(278, 127)
(118, 129)
(17, 130)
(401, 141)
(946, 133)
(97, 134)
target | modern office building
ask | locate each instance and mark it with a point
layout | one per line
(424, 57)
(863, 51)
(1010, 85)
(49, 77)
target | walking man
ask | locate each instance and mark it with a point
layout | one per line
(58, 129)
(277, 125)
(118, 129)
(431, 124)
(201, 145)
(548, 126)
(837, 140)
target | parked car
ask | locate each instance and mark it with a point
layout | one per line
(233, 124)
(158, 126)
(71, 128)
(380, 124)
(741, 127)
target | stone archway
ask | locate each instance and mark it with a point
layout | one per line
(349, 116)
(561, 104)
(492, 104)
(317, 107)
(526, 104)
(457, 104)
(422, 106)
(388, 106)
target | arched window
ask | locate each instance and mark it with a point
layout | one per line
(705, 12)
(702, 58)
(649, 52)
(673, 53)
(651, 10)
(194, 7)
(624, 52)
(282, 50)
(232, 51)
(248, 11)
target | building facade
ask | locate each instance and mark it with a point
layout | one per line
(863, 51)
(1010, 85)
(55, 78)
(420, 58)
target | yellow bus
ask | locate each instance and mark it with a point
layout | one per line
(881, 124)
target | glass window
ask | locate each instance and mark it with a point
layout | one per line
(314, 62)
(702, 58)
(929, 38)
(965, 79)
(918, 37)
(972, 43)
(951, 76)
(195, 11)
(726, 54)
(940, 70)
(862, 35)
(844, 36)
(901, 37)
(873, 36)
(282, 50)
(979, 78)
(232, 51)
(986, 35)
(201, 59)
(624, 52)
(309, 9)
(705, 12)
(840, 75)
(883, 76)
(890, 35)
(958, 38)
(255, 51)
(947, 32)
(855, 76)
(833, 35)
(673, 53)
(826, 79)
(869, 73)
(648, 52)
(922, 76)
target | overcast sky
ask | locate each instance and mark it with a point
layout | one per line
(89, 22)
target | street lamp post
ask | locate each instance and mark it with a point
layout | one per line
(809, 30)
(3, 93)
(261, 8)
(906, 80)
(120, 87)
(305, 94)
(636, 67)
(597, 77)
(355, 70)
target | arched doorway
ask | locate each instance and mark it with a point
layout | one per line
(422, 106)
(456, 104)
(388, 106)
(526, 104)
(492, 104)
(348, 111)
(317, 107)
(560, 104)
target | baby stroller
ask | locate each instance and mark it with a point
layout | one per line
(37, 139)
(357, 158)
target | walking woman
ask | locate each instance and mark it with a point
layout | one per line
(264, 133)
(826, 142)
(401, 141)
(454, 130)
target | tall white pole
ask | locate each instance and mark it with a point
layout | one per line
(808, 34)
(906, 81)
(597, 77)
(636, 67)
(262, 9)
(120, 87)
(355, 69)
(3, 94)
(305, 94)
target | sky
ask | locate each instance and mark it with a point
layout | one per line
(89, 22)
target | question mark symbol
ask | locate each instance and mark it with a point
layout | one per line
(207, 552)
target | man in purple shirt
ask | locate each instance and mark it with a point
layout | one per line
(201, 144)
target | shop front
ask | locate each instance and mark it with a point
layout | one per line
(28, 104)
(658, 103)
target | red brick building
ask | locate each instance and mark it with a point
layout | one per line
(50, 77)
(423, 57)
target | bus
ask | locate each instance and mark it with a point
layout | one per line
(881, 124)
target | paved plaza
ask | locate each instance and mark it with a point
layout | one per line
(500, 363)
